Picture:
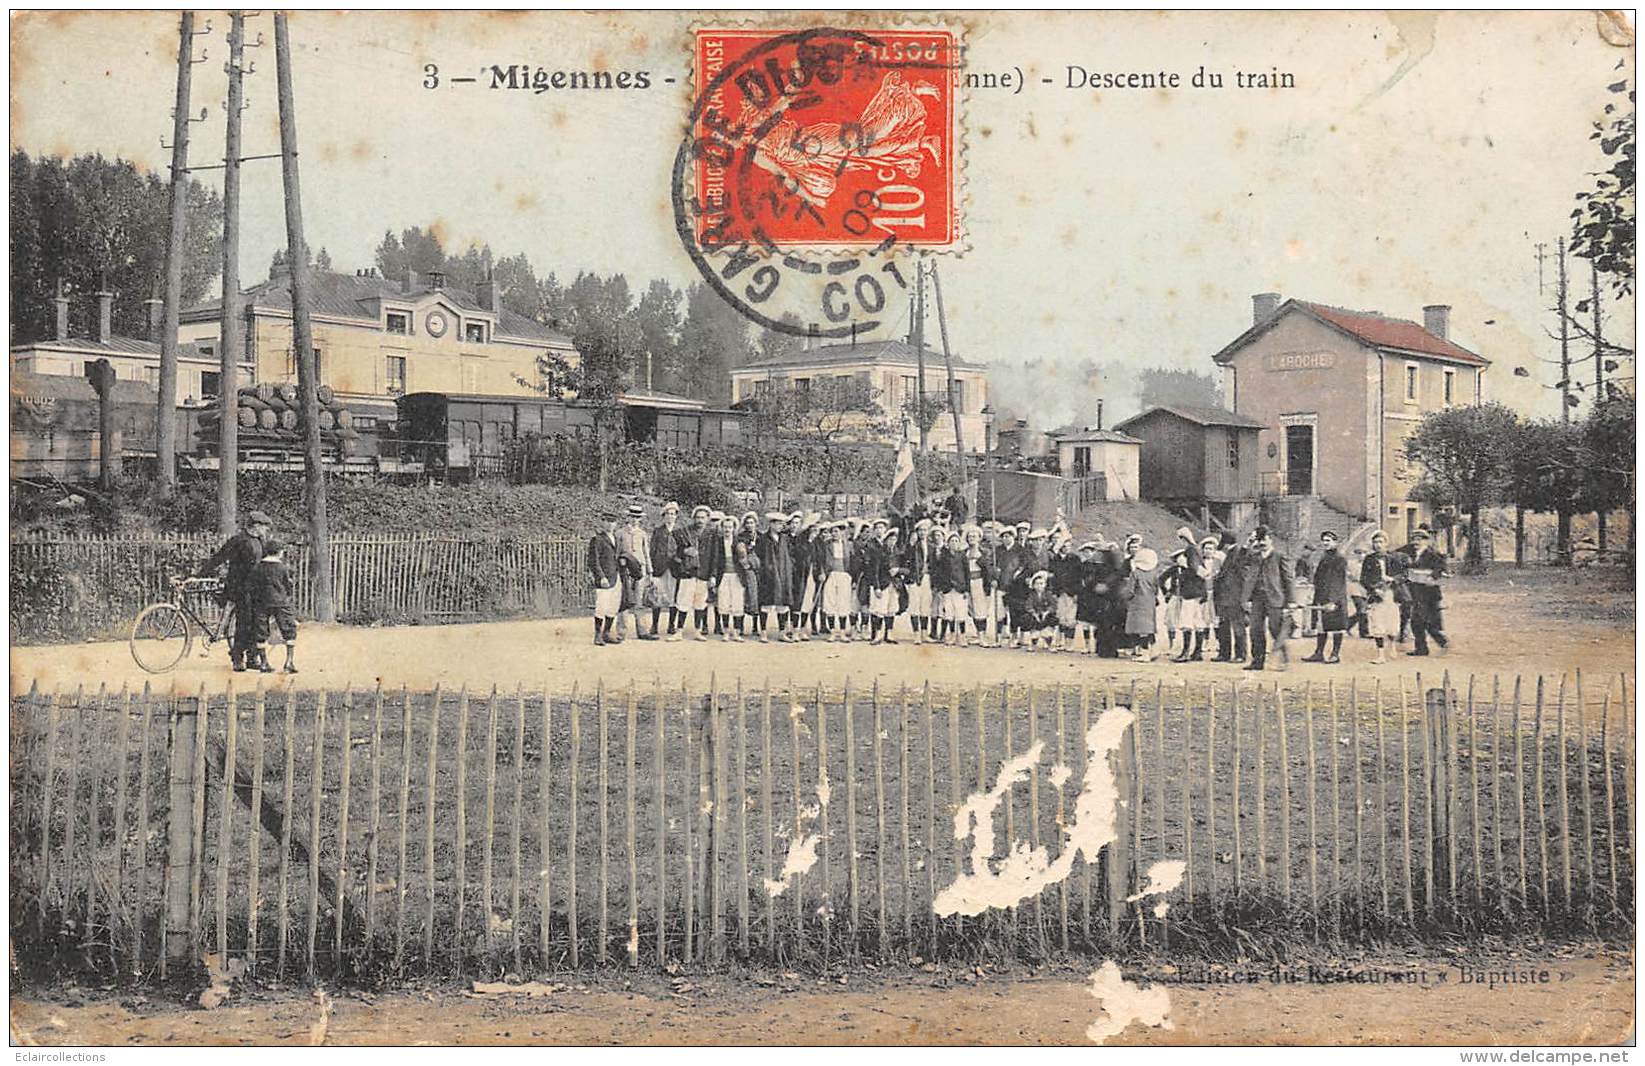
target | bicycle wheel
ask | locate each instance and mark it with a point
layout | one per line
(160, 637)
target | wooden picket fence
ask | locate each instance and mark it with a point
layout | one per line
(374, 835)
(70, 587)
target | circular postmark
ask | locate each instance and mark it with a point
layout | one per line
(813, 161)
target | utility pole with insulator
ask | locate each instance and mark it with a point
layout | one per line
(919, 352)
(230, 342)
(302, 333)
(1564, 340)
(948, 360)
(165, 421)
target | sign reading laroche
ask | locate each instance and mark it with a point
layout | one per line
(1301, 360)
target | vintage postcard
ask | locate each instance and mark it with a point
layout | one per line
(779, 528)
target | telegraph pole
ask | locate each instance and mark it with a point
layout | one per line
(302, 333)
(1599, 379)
(919, 352)
(1563, 528)
(1564, 341)
(948, 358)
(165, 423)
(230, 343)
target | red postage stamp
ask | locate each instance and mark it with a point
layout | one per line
(826, 138)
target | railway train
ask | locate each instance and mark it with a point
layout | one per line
(53, 431)
(462, 436)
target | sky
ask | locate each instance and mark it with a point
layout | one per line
(1420, 159)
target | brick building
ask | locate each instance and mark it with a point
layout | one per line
(1337, 392)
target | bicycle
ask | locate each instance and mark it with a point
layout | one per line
(164, 632)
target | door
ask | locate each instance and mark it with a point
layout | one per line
(1299, 460)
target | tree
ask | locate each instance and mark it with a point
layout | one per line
(1606, 454)
(1541, 475)
(90, 222)
(415, 249)
(1603, 221)
(1157, 387)
(774, 344)
(713, 340)
(1464, 453)
(823, 415)
(657, 329)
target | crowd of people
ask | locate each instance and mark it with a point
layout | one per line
(799, 577)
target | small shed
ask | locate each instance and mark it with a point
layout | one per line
(1202, 459)
(1114, 455)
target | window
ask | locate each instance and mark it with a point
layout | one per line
(1233, 450)
(207, 349)
(474, 332)
(802, 386)
(365, 422)
(399, 322)
(1082, 461)
(210, 384)
(1410, 383)
(909, 386)
(762, 388)
(1450, 387)
(959, 397)
(396, 375)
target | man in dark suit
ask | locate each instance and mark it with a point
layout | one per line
(604, 572)
(1331, 597)
(1228, 596)
(665, 554)
(1270, 587)
(240, 553)
(1427, 615)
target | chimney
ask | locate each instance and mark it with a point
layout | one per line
(1263, 306)
(156, 317)
(62, 302)
(1436, 319)
(486, 293)
(1099, 416)
(408, 281)
(105, 315)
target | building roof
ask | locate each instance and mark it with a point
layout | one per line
(899, 352)
(1368, 327)
(1096, 436)
(115, 345)
(1200, 416)
(358, 296)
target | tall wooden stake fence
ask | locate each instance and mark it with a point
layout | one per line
(75, 586)
(385, 833)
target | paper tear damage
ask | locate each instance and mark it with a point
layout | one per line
(802, 853)
(1027, 871)
(1123, 1003)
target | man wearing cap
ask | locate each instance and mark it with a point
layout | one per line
(1065, 583)
(1331, 598)
(834, 567)
(1193, 610)
(807, 587)
(1012, 584)
(634, 558)
(240, 553)
(666, 541)
(1270, 588)
(1427, 608)
(874, 577)
(774, 548)
(916, 566)
(605, 571)
(690, 565)
(1228, 597)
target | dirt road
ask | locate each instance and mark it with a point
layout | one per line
(1588, 1000)
(1506, 624)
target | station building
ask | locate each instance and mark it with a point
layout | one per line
(1336, 393)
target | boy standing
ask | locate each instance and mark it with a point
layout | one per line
(271, 597)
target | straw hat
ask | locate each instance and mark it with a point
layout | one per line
(1145, 560)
